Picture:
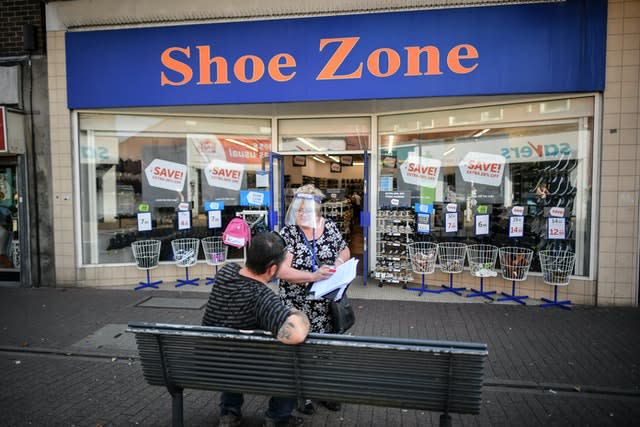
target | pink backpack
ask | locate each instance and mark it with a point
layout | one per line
(237, 233)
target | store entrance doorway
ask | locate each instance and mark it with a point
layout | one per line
(342, 179)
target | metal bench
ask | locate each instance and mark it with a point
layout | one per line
(442, 376)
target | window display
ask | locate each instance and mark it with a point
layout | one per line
(535, 156)
(162, 162)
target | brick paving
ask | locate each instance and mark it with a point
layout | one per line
(545, 366)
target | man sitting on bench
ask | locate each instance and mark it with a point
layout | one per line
(240, 299)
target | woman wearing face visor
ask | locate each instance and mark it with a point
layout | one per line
(316, 247)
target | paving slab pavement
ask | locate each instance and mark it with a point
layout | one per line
(65, 361)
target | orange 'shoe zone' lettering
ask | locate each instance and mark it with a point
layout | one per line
(382, 62)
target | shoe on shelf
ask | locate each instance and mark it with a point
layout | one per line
(292, 421)
(230, 420)
(306, 408)
(332, 406)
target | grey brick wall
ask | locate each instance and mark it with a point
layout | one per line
(14, 14)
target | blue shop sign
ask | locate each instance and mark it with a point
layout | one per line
(524, 48)
(254, 198)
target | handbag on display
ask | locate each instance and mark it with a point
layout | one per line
(342, 315)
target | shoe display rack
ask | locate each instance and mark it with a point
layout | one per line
(547, 185)
(341, 213)
(395, 231)
(560, 192)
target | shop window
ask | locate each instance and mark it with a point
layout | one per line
(162, 161)
(534, 155)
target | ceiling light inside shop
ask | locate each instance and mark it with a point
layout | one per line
(358, 163)
(306, 141)
(449, 151)
(317, 159)
(482, 132)
(390, 146)
(242, 144)
(334, 158)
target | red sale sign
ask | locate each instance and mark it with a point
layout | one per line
(168, 175)
(224, 174)
(421, 171)
(482, 168)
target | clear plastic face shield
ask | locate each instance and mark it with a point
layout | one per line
(304, 211)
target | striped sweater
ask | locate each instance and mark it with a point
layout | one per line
(239, 302)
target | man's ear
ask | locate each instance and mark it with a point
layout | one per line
(273, 270)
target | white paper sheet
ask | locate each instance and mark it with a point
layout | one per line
(345, 273)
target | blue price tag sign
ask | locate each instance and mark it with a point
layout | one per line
(422, 208)
(213, 206)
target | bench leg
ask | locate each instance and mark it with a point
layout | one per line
(445, 420)
(176, 401)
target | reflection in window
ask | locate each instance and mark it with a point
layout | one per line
(128, 160)
(528, 155)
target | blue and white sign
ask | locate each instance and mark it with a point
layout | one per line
(214, 206)
(519, 48)
(254, 198)
(422, 208)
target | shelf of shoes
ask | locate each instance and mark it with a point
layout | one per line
(553, 187)
(341, 213)
(395, 230)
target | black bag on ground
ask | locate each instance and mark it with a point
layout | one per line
(342, 315)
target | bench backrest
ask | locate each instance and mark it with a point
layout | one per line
(413, 374)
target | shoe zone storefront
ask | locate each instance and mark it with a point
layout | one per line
(475, 125)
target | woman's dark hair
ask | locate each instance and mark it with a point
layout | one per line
(264, 250)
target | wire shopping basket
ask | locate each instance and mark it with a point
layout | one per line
(482, 260)
(451, 255)
(422, 256)
(557, 266)
(185, 251)
(215, 251)
(146, 253)
(515, 262)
